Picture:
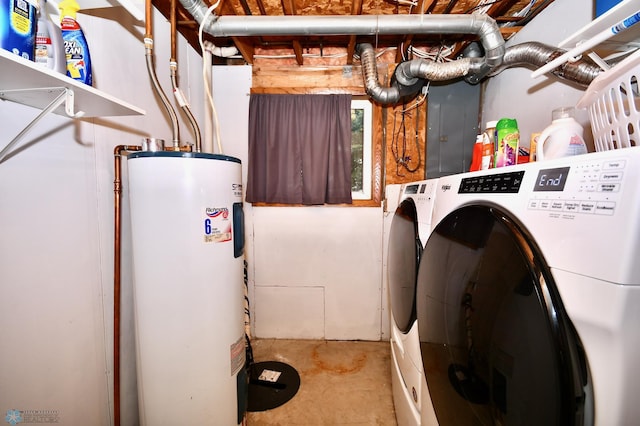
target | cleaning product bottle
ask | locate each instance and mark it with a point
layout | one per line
(75, 44)
(508, 141)
(18, 27)
(563, 137)
(476, 155)
(49, 43)
(488, 144)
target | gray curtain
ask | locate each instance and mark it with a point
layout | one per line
(299, 149)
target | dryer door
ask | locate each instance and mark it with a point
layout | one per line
(405, 250)
(497, 346)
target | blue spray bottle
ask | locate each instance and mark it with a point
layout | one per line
(75, 44)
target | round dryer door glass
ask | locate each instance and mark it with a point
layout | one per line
(405, 249)
(497, 346)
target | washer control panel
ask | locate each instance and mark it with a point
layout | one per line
(589, 187)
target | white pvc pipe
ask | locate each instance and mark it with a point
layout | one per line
(207, 142)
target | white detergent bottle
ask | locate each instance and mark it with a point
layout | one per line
(563, 137)
(49, 49)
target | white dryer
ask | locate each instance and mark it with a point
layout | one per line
(409, 230)
(528, 295)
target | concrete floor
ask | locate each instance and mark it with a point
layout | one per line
(341, 383)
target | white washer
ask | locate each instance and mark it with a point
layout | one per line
(528, 294)
(409, 230)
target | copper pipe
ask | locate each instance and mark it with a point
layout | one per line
(173, 30)
(117, 190)
(148, 45)
(148, 9)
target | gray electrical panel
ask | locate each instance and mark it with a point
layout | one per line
(452, 125)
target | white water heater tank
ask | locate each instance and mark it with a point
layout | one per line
(188, 240)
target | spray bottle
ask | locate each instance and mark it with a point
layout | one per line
(49, 44)
(75, 44)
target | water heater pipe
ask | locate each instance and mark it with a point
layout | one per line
(207, 142)
(117, 191)
(173, 68)
(148, 45)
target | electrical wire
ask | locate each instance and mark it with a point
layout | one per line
(400, 152)
(521, 14)
(442, 55)
(420, 101)
(206, 81)
(401, 158)
(482, 6)
(404, 3)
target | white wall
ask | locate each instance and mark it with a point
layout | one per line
(513, 93)
(314, 272)
(56, 222)
(318, 272)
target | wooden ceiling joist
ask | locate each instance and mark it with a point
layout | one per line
(272, 45)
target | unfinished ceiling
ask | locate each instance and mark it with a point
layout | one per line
(309, 50)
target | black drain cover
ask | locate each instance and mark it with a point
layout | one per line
(271, 384)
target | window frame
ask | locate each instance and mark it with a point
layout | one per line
(367, 148)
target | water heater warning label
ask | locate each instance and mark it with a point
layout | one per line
(238, 355)
(217, 225)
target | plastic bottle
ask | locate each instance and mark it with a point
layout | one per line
(75, 44)
(563, 137)
(508, 141)
(18, 27)
(488, 144)
(476, 158)
(49, 43)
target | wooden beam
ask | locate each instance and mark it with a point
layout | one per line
(293, 77)
(243, 44)
(245, 48)
(356, 9)
(260, 4)
(499, 8)
(418, 10)
(450, 6)
(289, 8)
(245, 7)
(297, 50)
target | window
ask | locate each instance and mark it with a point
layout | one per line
(364, 172)
(299, 149)
(361, 152)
